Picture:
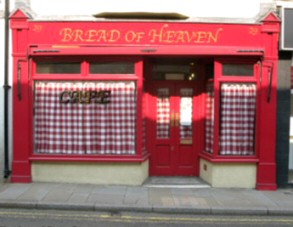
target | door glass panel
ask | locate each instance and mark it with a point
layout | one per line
(163, 113)
(185, 116)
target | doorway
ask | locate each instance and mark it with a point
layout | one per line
(171, 128)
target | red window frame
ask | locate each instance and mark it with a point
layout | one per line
(219, 78)
(141, 154)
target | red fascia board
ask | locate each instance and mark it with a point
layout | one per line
(145, 50)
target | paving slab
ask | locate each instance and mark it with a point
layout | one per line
(135, 195)
(282, 198)
(36, 192)
(59, 194)
(78, 198)
(161, 197)
(13, 191)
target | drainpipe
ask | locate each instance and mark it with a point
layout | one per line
(6, 91)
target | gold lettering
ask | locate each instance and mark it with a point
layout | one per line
(201, 37)
(61, 97)
(156, 36)
(180, 37)
(214, 37)
(74, 97)
(101, 36)
(91, 35)
(85, 97)
(129, 36)
(78, 35)
(169, 37)
(161, 35)
(139, 36)
(66, 34)
(190, 36)
(105, 95)
(114, 36)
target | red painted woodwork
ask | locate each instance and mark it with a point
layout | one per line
(141, 40)
(169, 156)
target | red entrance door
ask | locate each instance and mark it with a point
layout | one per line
(171, 131)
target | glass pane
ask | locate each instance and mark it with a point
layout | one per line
(186, 107)
(59, 68)
(238, 69)
(237, 126)
(175, 71)
(163, 113)
(71, 119)
(112, 68)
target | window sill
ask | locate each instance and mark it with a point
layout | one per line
(228, 159)
(89, 158)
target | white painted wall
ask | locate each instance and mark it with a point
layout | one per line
(192, 8)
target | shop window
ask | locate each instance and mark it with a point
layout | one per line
(59, 68)
(209, 123)
(237, 118)
(238, 70)
(112, 68)
(85, 118)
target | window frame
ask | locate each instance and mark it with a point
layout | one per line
(140, 153)
(219, 78)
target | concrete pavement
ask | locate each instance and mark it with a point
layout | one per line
(147, 198)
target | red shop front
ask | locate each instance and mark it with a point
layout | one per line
(117, 101)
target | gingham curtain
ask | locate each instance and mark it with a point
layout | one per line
(209, 123)
(237, 115)
(75, 128)
(163, 113)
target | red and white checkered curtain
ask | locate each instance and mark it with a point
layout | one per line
(237, 115)
(163, 113)
(209, 123)
(92, 128)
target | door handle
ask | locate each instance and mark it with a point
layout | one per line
(177, 120)
(172, 119)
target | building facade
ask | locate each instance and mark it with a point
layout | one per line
(116, 101)
(115, 98)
